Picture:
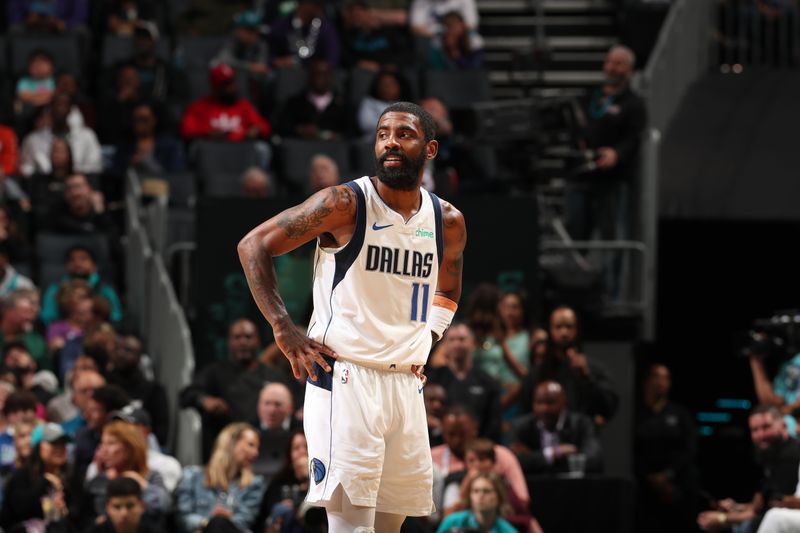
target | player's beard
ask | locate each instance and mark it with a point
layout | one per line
(404, 177)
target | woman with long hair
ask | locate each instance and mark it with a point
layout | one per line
(504, 352)
(225, 495)
(487, 506)
(387, 87)
(123, 452)
(35, 494)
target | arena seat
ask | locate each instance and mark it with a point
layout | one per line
(457, 89)
(65, 49)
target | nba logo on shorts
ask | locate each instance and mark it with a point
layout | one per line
(345, 375)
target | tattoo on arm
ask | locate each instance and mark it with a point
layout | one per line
(300, 220)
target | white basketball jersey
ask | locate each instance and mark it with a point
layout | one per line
(373, 296)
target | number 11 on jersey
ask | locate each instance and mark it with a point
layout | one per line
(415, 301)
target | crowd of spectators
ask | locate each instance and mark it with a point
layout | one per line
(84, 425)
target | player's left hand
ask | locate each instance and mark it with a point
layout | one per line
(302, 351)
(419, 371)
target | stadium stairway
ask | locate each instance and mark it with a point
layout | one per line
(575, 35)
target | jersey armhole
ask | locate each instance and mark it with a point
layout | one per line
(346, 256)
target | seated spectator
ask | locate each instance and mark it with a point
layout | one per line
(287, 490)
(779, 457)
(466, 384)
(164, 465)
(368, 41)
(587, 385)
(275, 420)
(665, 448)
(80, 263)
(9, 151)
(479, 458)
(68, 409)
(387, 87)
(223, 114)
(6, 428)
(227, 391)
(504, 352)
(304, 35)
(226, 493)
(459, 428)
(125, 509)
(149, 152)
(82, 210)
(37, 145)
(323, 172)
(318, 111)
(457, 47)
(487, 506)
(256, 183)
(426, 16)
(42, 383)
(159, 81)
(37, 88)
(10, 279)
(102, 402)
(75, 305)
(16, 324)
(36, 491)
(126, 373)
(82, 112)
(545, 439)
(12, 234)
(247, 49)
(50, 17)
(435, 401)
(47, 190)
(123, 453)
(116, 106)
(20, 413)
(124, 15)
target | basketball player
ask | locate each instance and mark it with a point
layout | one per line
(387, 276)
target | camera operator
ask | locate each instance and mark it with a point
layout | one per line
(615, 118)
(784, 390)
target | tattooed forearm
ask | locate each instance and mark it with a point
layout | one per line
(303, 218)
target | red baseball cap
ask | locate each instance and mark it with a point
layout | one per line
(221, 74)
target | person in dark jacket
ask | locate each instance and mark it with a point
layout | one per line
(124, 509)
(545, 439)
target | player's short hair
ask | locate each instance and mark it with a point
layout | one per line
(425, 118)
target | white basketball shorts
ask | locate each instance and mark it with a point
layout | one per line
(367, 431)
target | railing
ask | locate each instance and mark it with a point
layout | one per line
(159, 317)
(756, 32)
(679, 58)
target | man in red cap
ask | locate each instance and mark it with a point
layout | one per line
(223, 114)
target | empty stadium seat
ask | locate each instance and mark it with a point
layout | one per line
(65, 49)
(118, 48)
(458, 89)
(220, 164)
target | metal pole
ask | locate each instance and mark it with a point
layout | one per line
(650, 162)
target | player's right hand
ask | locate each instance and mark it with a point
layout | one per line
(302, 351)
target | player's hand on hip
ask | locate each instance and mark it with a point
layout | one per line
(419, 371)
(302, 351)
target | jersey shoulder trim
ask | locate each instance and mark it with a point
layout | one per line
(347, 255)
(437, 213)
